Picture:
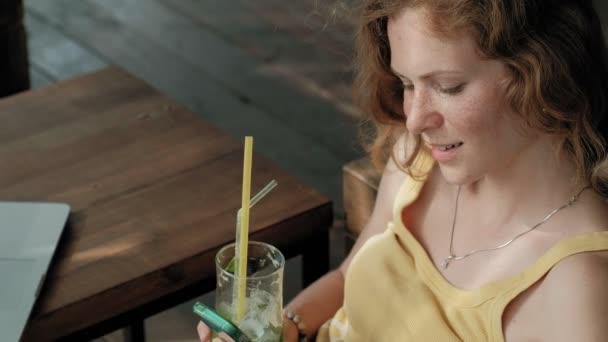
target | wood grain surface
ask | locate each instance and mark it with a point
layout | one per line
(153, 190)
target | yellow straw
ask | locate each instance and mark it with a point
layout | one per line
(244, 233)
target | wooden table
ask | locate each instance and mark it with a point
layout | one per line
(154, 191)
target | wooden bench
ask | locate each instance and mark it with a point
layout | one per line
(360, 186)
(14, 65)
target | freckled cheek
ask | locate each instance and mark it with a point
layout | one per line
(471, 120)
(482, 108)
(479, 121)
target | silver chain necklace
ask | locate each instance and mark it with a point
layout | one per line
(454, 257)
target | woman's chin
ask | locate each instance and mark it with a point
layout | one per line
(454, 175)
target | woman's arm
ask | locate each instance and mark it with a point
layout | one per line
(320, 301)
(316, 304)
(574, 297)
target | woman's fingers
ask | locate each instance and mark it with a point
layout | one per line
(223, 337)
(204, 333)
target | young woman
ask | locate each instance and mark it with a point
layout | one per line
(491, 221)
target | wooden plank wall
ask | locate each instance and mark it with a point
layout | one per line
(264, 68)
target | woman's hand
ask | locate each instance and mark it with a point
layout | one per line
(290, 333)
(204, 334)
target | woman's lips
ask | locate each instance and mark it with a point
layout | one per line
(445, 152)
(446, 147)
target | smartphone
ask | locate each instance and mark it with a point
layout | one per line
(221, 326)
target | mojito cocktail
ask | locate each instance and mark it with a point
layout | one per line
(263, 317)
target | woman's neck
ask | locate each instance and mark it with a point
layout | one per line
(524, 190)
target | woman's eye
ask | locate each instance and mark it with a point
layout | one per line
(452, 90)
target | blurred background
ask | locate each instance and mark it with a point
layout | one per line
(279, 70)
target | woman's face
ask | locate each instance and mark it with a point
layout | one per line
(454, 99)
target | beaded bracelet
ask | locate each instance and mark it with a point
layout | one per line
(299, 324)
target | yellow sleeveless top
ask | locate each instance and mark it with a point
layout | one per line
(393, 292)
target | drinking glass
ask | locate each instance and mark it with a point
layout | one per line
(263, 316)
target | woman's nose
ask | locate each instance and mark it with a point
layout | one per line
(420, 113)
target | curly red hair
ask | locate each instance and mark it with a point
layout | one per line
(554, 51)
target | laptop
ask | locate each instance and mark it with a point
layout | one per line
(29, 235)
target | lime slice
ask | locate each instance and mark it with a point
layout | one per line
(231, 266)
(253, 266)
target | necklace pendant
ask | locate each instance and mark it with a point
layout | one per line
(444, 264)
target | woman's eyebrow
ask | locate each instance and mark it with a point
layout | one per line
(429, 74)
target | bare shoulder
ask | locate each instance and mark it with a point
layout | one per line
(575, 299)
(584, 271)
(390, 183)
